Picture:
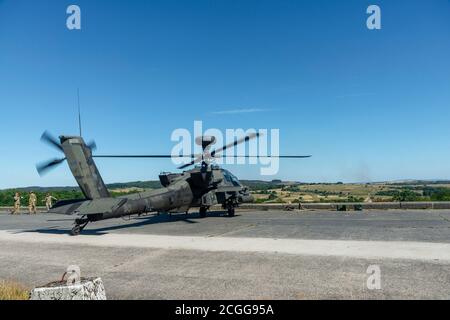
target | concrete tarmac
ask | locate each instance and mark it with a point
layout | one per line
(254, 255)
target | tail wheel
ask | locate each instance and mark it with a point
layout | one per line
(75, 230)
(202, 211)
(79, 226)
(231, 212)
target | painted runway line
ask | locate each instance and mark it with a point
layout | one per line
(337, 248)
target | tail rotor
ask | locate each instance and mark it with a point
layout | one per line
(45, 166)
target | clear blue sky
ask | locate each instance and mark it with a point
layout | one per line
(368, 105)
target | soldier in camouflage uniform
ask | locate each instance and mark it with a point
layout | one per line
(32, 203)
(48, 201)
(16, 209)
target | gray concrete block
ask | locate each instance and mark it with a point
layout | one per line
(87, 289)
(381, 205)
(415, 205)
(440, 205)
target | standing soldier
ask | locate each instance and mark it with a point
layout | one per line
(16, 209)
(48, 201)
(32, 203)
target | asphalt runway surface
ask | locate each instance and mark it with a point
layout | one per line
(254, 255)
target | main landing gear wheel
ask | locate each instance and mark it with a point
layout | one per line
(230, 212)
(202, 211)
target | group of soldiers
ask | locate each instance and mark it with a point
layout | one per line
(32, 200)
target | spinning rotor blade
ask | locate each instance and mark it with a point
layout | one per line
(192, 156)
(92, 145)
(233, 144)
(245, 156)
(142, 156)
(43, 167)
(157, 156)
(51, 140)
(190, 163)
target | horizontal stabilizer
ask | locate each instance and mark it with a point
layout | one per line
(89, 207)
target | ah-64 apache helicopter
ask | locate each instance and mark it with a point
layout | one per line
(201, 186)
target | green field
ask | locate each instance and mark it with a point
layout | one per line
(352, 192)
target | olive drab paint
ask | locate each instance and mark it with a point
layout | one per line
(84, 170)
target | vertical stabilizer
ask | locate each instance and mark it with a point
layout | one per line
(84, 170)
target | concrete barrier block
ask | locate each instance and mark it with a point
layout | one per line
(416, 205)
(440, 205)
(381, 205)
(319, 206)
(263, 206)
(87, 289)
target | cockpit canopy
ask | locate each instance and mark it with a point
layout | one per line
(230, 178)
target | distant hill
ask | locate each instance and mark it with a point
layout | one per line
(419, 182)
(152, 184)
(252, 184)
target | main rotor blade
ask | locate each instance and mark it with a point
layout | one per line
(245, 156)
(238, 156)
(43, 167)
(235, 143)
(50, 140)
(158, 156)
(142, 156)
(190, 163)
(191, 156)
